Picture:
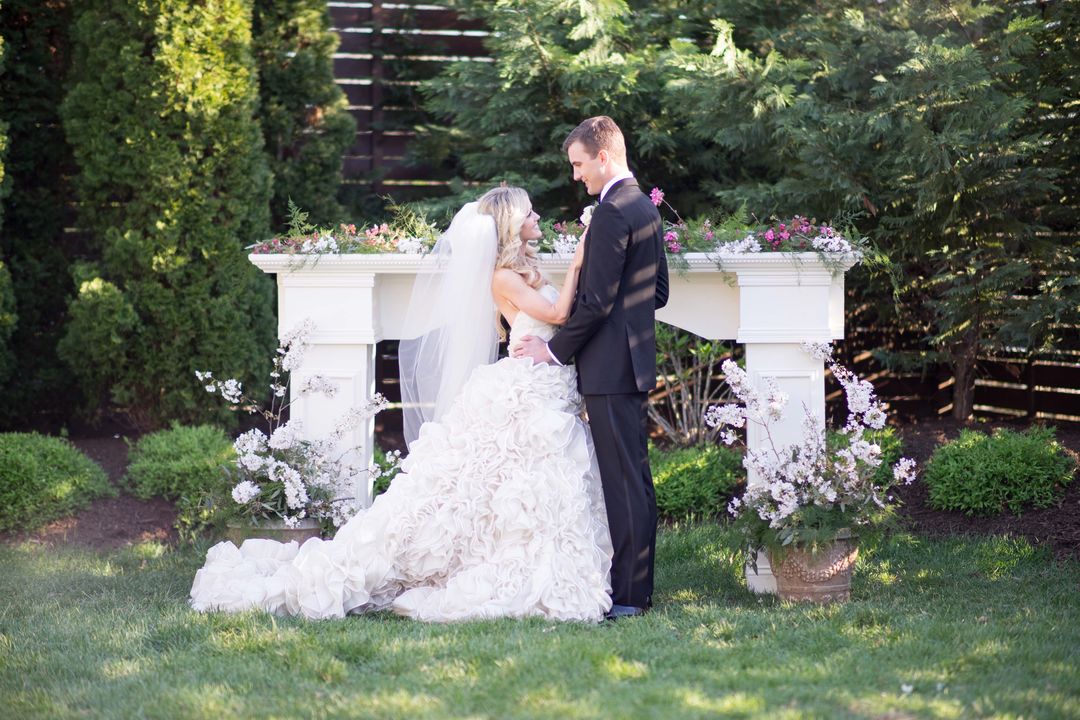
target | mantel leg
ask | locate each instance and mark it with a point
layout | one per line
(803, 379)
(351, 367)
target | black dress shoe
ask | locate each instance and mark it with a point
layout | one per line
(623, 611)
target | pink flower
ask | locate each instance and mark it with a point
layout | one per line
(769, 235)
(784, 234)
(657, 196)
(674, 246)
(670, 237)
(709, 235)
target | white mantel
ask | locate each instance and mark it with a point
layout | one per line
(770, 302)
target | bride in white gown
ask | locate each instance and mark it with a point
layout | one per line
(498, 510)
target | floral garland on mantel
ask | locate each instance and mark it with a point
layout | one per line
(411, 233)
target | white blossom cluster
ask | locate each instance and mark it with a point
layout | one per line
(565, 244)
(413, 246)
(807, 474)
(830, 241)
(748, 244)
(310, 480)
(319, 384)
(325, 243)
(231, 390)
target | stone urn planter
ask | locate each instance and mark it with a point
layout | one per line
(237, 531)
(821, 577)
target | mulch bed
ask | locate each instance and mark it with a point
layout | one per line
(1058, 527)
(125, 520)
(108, 523)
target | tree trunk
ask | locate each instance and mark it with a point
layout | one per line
(964, 356)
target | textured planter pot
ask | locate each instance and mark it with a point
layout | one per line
(821, 578)
(239, 531)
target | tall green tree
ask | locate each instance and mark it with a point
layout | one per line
(930, 124)
(34, 243)
(173, 184)
(7, 296)
(305, 122)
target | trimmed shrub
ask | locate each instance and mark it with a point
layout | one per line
(694, 482)
(186, 465)
(179, 461)
(173, 185)
(305, 121)
(43, 478)
(981, 474)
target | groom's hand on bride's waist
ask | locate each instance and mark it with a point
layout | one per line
(535, 348)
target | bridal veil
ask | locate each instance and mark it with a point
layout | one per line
(450, 322)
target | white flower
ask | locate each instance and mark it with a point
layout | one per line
(730, 414)
(566, 244)
(410, 245)
(245, 491)
(748, 244)
(231, 390)
(586, 215)
(250, 448)
(818, 350)
(319, 384)
(286, 436)
(904, 471)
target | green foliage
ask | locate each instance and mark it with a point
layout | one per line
(694, 482)
(179, 461)
(186, 465)
(7, 295)
(891, 444)
(34, 244)
(981, 474)
(305, 122)
(43, 478)
(389, 465)
(942, 125)
(173, 186)
(687, 368)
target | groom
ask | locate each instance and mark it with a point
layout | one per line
(610, 336)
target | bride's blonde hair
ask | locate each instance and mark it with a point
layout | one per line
(510, 206)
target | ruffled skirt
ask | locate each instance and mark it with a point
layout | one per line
(498, 511)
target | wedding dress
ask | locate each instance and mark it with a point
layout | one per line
(498, 511)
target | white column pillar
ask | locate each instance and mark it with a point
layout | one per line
(341, 349)
(780, 307)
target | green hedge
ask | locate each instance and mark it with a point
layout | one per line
(43, 478)
(179, 461)
(304, 116)
(981, 474)
(694, 482)
(173, 185)
(185, 465)
(40, 391)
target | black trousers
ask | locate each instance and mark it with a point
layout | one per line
(620, 436)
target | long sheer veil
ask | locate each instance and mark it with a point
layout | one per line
(450, 322)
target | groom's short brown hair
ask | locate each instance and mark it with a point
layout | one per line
(596, 134)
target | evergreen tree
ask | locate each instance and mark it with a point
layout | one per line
(7, 296)
(305, 123)
(173, 185)
(33, 242)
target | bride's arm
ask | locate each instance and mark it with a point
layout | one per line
(511, 287)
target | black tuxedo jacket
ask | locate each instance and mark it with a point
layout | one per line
(611, 332)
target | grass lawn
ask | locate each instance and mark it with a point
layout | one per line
(942, 629)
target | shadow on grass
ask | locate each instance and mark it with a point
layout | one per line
(935, 629)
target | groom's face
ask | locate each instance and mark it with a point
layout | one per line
(588, 169)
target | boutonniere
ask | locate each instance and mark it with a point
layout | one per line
(586, 214)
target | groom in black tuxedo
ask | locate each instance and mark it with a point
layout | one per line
(610, 337)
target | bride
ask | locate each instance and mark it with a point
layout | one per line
(498, 510)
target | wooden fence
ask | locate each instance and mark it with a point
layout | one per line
(388, 49)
